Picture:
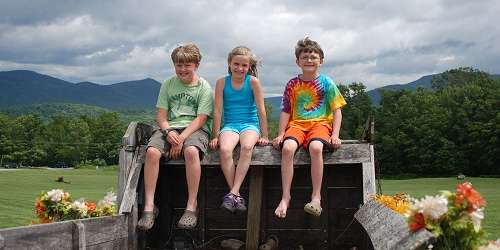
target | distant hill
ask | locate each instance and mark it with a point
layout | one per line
(22, 87)
(422, 82)
(46, 111)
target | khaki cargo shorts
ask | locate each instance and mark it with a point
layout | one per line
(198, 138)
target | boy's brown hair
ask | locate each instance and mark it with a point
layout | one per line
(308, 45)
(186, 53)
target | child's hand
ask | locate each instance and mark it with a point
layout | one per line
(175, 151)
(214, 143)
(263, 141)
(335, 141)
(277, 141)
(173, 138)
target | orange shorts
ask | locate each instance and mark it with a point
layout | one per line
(319, 132)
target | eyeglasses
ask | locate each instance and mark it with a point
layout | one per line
(307, 58)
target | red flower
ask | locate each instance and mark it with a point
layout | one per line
(465, 193)
(39, 207)
(418, 222)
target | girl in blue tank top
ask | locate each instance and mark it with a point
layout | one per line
(239, 99)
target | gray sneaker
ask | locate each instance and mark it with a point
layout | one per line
(228, 202)
(239, 205)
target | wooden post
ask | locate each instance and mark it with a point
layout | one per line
(79, 241)
(2, 243)
(254, 207)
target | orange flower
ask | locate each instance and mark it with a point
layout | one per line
(90, 207)
(465, 193)
(39, 207)
(417, 223)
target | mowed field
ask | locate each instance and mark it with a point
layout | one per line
(20, 187)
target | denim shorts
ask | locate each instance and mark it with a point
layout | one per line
(240, 128)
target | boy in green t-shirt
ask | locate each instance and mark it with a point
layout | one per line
(184, 107)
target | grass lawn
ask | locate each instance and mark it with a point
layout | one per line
(488, 187)
(20, 187)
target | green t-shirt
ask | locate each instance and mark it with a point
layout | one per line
(184, 103)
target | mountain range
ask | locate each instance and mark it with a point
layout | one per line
(23, 88)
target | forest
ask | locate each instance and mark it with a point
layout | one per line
(452, 128)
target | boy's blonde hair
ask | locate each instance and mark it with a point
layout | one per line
(243, 51)
(186, 53)
(308, 45)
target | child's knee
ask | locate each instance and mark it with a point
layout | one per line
(316, 147)
(153, 153)
(191, 152)
(289, 147)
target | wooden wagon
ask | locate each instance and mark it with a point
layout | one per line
(349, 181)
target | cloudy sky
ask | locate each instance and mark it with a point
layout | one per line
(374, 42)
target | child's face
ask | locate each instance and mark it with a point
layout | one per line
(309, 62)
(239, 65)
(186, 71)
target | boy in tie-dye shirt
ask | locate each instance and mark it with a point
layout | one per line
(310, 117)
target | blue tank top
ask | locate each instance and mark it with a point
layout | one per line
(239, 105)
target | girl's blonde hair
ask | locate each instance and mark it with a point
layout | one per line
(243, 51)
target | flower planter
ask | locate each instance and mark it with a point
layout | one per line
(388, 229)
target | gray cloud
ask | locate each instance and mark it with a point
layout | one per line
(374, 42)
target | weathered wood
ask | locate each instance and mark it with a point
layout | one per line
(79, 242)
(369, 187)
(254, 207)
(129, 193)
(132, 220)
(2, 242)
(99, 230)
(91, 233)
(129, 140)
(267, 155)
(389, 230)
(47, 236)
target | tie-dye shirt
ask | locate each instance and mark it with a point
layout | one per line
(311, 102)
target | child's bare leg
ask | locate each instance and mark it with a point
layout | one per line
(227, 141)
(316, 152)
(247, 141)
(288, 151)
(151, 169)
(193, 173)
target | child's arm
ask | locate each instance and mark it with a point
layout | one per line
(261, 109)
(216, 122)
(161, 120)
(337, 121)
(284, 119)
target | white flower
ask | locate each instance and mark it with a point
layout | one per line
(55, 195)
(79, 205)
(109, 200)
(432, 207)
(476, 217)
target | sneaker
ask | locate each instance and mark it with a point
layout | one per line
(228, 202)
(239, 205)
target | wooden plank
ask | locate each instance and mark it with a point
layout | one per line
(129, 194)
(129, 141)
(79, 241)
(254, 207)
(132, 220)
(116, 244)
(103, 229)
(124, 164)
(267, 155)
(57, 235)
(369, 185)
(2, 242)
